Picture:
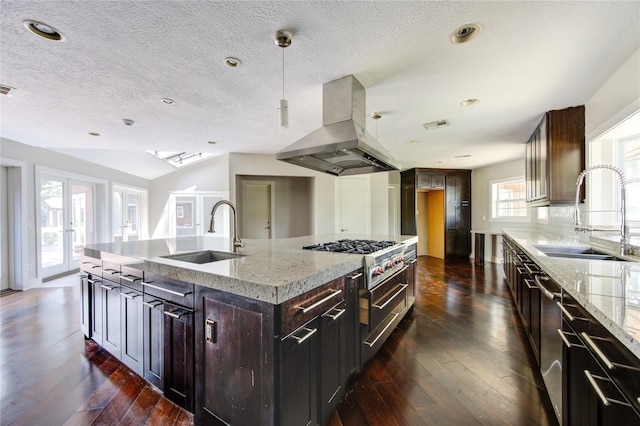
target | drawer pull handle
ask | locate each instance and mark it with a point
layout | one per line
(93, 281)
(334, 316)
(528, 267)
(130, 295)
(402, 287)
(110, 271)
(549, 294)
(333, 294)
(310, 332)
(153, 304)
(566, 341)
(107, 287)
(353, 277)
(568, 314)
(178, 313)
(605, 400)
(528, 283)
(370, 344)
(130, 278)
(166, 290)
(596, 349)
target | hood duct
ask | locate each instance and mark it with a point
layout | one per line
(342, 146)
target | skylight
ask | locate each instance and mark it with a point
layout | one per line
(179, 159)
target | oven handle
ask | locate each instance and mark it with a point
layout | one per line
(403, 286)
(333, 294)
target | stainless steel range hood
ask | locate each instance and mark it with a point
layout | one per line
(342, 146)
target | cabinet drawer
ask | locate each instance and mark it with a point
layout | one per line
(302, 309)
(394, 299)
(164, 288)
(90, 265)
(110, 271)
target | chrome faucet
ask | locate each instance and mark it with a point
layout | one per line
(624, 227)
(237, 243)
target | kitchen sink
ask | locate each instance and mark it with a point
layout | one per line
(205, 256)
(573, 252)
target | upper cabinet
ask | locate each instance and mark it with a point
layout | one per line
(555, 158)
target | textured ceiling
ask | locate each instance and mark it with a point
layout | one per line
(119, 58)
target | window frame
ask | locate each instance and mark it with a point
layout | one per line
(493, 200)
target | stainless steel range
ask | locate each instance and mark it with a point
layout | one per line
(382, 259)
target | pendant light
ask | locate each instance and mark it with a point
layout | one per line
(283, 39)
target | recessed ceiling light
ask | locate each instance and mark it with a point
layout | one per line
(94, 134)
(462, 156)
(168, 101)
(465, 33)
(7, 90)
(411, 142)
(128, 122)
(469, 102)
(232, 62)
(437, 162)
(212, 142)
(43, 30)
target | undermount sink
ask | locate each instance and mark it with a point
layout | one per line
(205, 256)
(573, 252)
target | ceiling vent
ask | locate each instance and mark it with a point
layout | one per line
(436, 124)
(7, 90)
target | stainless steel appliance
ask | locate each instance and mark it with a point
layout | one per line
(382, 259)
(550, 341)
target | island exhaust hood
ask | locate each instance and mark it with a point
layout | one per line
(342, 146)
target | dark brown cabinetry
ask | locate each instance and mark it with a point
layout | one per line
(456, 185)
(131, 323)
(555, 157)
(153, 335)
(111, 308)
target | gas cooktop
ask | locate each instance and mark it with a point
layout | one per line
(352, 246)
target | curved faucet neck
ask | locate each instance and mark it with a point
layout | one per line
(237, 243)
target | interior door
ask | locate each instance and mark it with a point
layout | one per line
(257, 206)
(66, 222)
(353, 205)
(126, 214)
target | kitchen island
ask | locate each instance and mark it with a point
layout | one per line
(267, 337)
(579, 303)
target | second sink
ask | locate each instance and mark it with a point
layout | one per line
(200, 257)
(577, 253)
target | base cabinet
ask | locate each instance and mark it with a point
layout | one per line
(131, 323)
(178, 355)
(153, 336)
(85, 306)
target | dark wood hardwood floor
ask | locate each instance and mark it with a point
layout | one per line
(459, 357)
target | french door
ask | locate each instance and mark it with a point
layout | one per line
(67, 222)
(126, 214)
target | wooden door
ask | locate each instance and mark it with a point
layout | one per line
(112, 337)
(153, 324)
(178, 355)
(131, 323)
(257, 209)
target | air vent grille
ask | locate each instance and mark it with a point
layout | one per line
(436, 124)
(7, 90)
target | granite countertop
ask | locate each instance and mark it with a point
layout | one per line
(272, 270)
(608, 290)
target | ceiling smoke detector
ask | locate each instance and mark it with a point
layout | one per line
(436, 124)
(465, 33)
(128, 122)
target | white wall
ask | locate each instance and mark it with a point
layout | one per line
(28, 157)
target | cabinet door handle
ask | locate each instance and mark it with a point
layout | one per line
(310, 332)
(93, 281)
(334, 316)
(130, 295)
(370, 344)
(107, 287)
(592, 345)
(210, 331)
(566, 341)
(549, 294)
(353, 277)
(333, 294)
(605, 400)
(110, 271)
(130, 278)
(166, 290)
(528, 283)
(178, 313)
(528, 266)
(568, 314)
(153, 304)
(402, 287)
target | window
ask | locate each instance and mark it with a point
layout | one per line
(508, 199)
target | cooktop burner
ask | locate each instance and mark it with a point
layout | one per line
(352, 246)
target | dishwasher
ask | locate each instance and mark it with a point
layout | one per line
(551, 341)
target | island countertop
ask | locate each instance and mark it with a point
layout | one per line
(608, 290)
(273, 270)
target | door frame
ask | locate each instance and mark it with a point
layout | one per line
(143, 209)
(17, 220)
(272, 205)
(68, 176)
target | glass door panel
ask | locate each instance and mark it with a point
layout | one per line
(52, 252)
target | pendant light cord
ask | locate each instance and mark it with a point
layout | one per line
(283, 73)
